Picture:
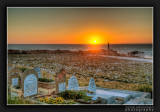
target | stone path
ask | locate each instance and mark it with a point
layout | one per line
(130, 58)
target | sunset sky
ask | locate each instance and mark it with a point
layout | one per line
(79, 25)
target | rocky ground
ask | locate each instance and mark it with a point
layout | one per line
(108, 72)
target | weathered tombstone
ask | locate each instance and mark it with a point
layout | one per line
(38, 70)
(73, 83)
(92, 86)
(29, 83)
(60, 81)
(13, 79)
(62, 87)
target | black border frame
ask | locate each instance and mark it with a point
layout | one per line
(75, 3)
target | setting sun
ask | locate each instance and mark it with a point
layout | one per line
(95, 41)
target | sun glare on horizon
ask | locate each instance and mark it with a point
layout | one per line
(95, 39)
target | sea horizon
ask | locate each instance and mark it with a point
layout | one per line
(120, 48)
(83, 44)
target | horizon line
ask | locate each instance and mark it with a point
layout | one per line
(87, 44)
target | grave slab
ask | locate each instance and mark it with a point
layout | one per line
(125, 97)
(133, 94)
(105, 99)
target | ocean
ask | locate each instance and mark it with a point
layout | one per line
(120, 48)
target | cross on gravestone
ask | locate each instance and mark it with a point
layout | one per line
(92, 86)
(73, 83)
(38, 70)
(30, 83)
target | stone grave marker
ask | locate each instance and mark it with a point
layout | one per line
(73, 83)
(29, 83)
(13, 79)
(38, 70)
(62, 87)
(92, 86)
(60, 81)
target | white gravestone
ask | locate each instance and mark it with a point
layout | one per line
(62, 87)
(73, 83)
(92, 86)
(15, 81)
(38, 70)
(30, 85)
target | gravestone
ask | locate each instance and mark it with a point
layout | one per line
(13, 79)
(92, 86)
(60, 81)
(29, 83)
(38, 70)
(62, 87)
(73, 83)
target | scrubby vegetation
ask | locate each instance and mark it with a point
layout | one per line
(73, 94)
(45, 80)
(17, 100)
(58, 100)
(145, 88)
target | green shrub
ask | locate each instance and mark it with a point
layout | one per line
(58, 100)
(145, 88)
(86, 98)
(98, 85)
(45, 80)
(73, 94)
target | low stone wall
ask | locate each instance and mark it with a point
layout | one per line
(47, 85)
(44, 91)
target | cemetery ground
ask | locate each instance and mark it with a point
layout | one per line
(119, 81)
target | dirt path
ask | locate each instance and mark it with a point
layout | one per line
(130, 58)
